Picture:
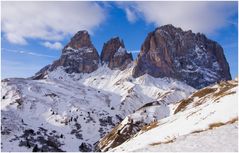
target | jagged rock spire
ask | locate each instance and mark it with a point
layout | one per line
(115, 54)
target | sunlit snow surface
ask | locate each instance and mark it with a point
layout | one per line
(208, 122)
(221, 139)
(64, 110)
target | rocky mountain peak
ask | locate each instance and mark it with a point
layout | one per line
(168, 28)
(192, 58)
(109, 49)
(80, 39)
(115, 54)
(78, 56)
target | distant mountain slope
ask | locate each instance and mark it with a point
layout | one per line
(71, 112)
(158, 124)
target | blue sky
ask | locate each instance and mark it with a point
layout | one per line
(32, 39)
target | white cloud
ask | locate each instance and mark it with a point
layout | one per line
(131, 16)
(48, 20)
(14, 38)
(129, 9)
(26, 52)
(201, 16)
(55, 45)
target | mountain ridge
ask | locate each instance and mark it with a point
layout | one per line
(166, 52)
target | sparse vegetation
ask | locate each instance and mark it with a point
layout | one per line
(183, 104)
(218, 124)
(203, 92)
(216, 93)
(48, 142)
(150, 126)
(215, 125)
(165, 142)
(197, 131)
(224, 87)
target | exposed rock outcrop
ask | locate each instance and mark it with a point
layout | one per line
(115, 54)
(171, 52)
(79, 56)
(132, 124)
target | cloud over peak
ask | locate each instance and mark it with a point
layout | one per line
(206, 17)
(50, 21)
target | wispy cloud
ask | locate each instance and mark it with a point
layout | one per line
(129, 9)
(206, 17)
(48, 21)
(55, 45)
(26, 52)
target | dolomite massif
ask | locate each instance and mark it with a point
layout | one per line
(166, 52)
(89, 102)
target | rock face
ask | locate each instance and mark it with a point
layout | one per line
(171, 52)
(166, 52)
(79, 56)
(115, 54)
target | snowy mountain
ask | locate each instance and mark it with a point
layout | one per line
(89, 102)
(209, 115)
(71, 112)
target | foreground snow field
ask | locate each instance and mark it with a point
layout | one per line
(220, 139)
(206, 109)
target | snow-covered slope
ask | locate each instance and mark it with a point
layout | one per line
(71, 112)
(221, 139)
(156, 124)
(134, 93)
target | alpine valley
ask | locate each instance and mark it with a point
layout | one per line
(177, 95)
